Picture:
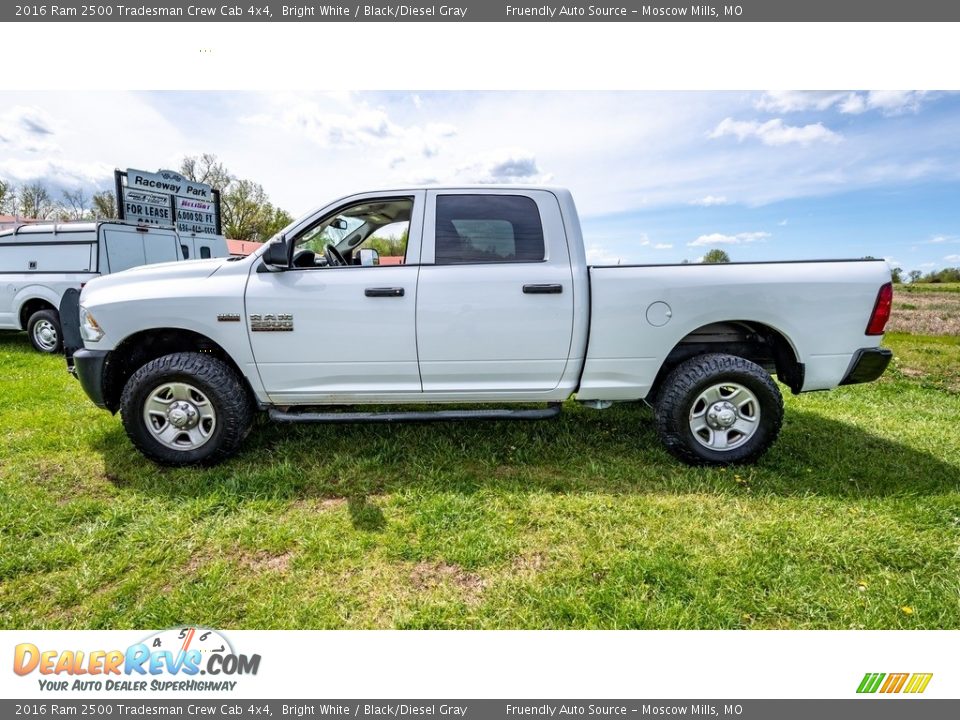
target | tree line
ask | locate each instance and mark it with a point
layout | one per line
(945, 275)
(246, 209)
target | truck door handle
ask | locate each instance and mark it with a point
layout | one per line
(384, 292)
(543, 289)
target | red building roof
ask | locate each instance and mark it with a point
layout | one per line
(242, 248)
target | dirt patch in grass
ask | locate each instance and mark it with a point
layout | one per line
(429, 575)
(318, 504)
(928, 313)
(198, 558)
(262, 560)
(529, 564)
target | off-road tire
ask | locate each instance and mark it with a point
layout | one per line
(681, 388)
(216, 380)
(45, 316)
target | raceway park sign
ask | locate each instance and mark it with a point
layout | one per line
(166, 197)
(169, 182)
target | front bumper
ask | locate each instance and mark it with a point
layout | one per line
(87, 366)
(867, 365)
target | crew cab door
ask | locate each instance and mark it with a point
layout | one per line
(495, 297)
(338, 334)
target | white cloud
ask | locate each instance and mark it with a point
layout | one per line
(888, 102)
(786, 101)
(56, 172)
(782, 223)
(775, 132)
(710, 201)
(26, 129)
(662, 246)
(342, 121)
(952, 258)
(722, 239)
(508, 165)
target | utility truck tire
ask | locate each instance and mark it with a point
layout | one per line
(186, 409)
(45, 333)
(718, 409)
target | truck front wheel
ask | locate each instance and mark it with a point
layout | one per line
(718, 409)
(43, 327)
(186, 409)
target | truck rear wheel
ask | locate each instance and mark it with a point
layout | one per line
(186, 409)
(718, 409)
(45, 333)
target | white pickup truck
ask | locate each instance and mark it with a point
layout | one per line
(464, 296)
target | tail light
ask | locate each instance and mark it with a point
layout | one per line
(881, 310)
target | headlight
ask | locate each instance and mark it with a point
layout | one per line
(89, 328)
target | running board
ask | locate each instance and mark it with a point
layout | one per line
(304, 416)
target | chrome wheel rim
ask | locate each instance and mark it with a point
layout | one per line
(179, 416)
(45, 335)
(724, 416)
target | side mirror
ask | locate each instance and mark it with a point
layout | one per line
(369, 257)
(276, 254)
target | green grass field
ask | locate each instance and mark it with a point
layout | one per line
(852, 520)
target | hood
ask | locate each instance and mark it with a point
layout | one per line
(176, 270)
(158, 280)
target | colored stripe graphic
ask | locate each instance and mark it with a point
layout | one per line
(894, 683)
(918, 682)
(870, 682)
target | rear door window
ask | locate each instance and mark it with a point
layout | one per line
(487, 229)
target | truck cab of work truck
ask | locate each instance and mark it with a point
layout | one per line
(462, 296)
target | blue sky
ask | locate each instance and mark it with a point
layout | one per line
(658, 177)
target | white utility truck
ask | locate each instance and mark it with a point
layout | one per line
(38, 263)
(486, 299)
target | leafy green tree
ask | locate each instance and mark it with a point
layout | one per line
(103, 204)
(896, 274)
(245, 207)
(388, 246)
(715, 256)
(8, 197)
(914, 275)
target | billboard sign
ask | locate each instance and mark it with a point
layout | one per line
(169, 183)
(147, 208)
(196, 216)
(168, 198)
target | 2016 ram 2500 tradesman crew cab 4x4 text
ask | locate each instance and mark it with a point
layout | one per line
(463, 296)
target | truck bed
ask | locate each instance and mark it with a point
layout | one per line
(639, 313)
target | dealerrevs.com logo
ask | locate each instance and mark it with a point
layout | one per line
(180, 659)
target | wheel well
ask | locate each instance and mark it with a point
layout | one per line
(137, 350)
(759, 343)
(30, 307)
